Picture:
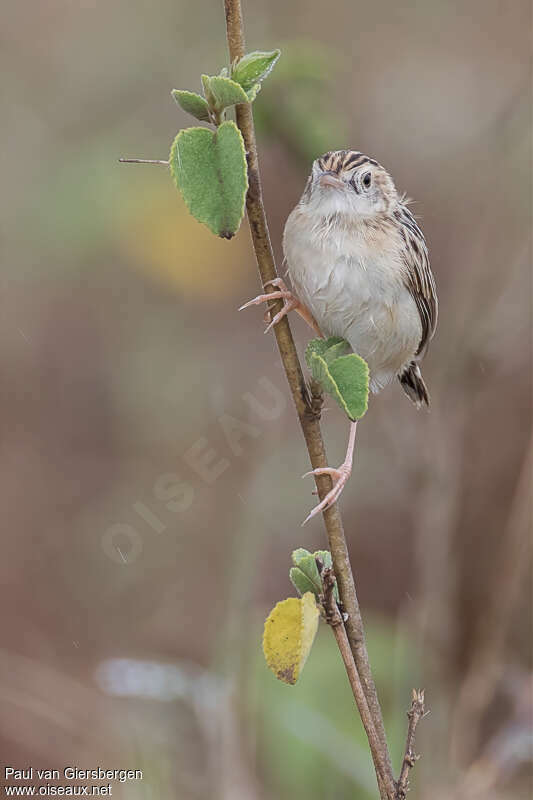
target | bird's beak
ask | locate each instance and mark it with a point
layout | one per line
(331, 179)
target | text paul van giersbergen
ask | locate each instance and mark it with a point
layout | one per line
(73, 773)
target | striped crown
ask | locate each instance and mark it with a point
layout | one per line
(342, 160)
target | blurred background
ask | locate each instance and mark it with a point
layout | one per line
(150, 456)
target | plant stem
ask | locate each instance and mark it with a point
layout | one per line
(334, 620)
(143, 161)
(308, 414)
(414, 715)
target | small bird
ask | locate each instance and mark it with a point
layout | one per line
(360, 269)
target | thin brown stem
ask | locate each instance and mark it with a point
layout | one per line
(414, 715)
(335, 621)
(306, 407)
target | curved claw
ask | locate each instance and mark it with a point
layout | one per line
(263, 298)
(335, 473)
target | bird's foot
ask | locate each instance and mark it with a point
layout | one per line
(340, 478)
(290, 303)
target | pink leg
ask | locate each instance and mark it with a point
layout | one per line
(290, 303)
(340, 476)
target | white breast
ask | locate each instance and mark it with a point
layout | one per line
(352, 282)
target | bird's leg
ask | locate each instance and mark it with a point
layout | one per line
(339, 476)
(290, 303)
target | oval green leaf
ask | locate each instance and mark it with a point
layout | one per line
(307, 565)
(223, 92)
(344, 377)
(254, 67)
(209, 168)
(304, 575)
(302, 583)
(192, 103)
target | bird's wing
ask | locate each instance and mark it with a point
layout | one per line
(419, 278)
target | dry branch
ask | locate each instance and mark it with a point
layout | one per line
(414, 715)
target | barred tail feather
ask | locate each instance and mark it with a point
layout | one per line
(413, 385)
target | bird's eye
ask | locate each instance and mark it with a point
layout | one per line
(367, 179)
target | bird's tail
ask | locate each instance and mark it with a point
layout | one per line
(413, 385)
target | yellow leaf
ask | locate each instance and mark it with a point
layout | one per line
(290, 630)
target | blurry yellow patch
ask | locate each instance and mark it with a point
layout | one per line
(159, 237)
(290, 631)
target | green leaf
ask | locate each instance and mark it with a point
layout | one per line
(304, 575)
(350, 376)
(253, 92)
(290, 631)
(192, 103)
(325, 557)
(308, 566)
(336, 350)
(223, 92)
(298, 554)
(254, 67)
(209, 168)
(301, 582)
(344, 377)
(206, 83)
(328, 348)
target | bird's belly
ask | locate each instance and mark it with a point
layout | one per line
(364, 300)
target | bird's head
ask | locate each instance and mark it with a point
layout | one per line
(348, 182)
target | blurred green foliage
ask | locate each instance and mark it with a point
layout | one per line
(311, 740)
(298, 104)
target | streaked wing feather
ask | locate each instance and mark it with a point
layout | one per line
(419, 278)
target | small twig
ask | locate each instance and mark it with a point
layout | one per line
(335, 621)
(415, 714)
(143, 161)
